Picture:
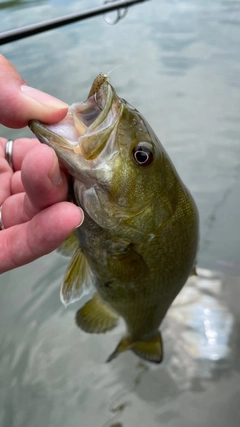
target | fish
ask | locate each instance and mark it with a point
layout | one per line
(138, 243)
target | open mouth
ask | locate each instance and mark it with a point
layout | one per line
(77, 131)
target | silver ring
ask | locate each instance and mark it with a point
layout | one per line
(1, 222)
(120, 14)
(9, 152)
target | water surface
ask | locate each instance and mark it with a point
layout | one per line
(179, 65)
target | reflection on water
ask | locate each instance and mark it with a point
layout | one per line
(122, 399)
(17, 4)
(203, 324)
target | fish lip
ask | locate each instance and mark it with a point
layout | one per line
(99, 103)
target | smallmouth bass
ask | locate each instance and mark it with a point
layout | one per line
(138, 242)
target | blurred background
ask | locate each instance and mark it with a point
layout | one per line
(179, 65)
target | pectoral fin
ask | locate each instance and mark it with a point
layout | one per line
(70, 245)
(128, 266)
(151, 350)
(96, 316)
(77, 280)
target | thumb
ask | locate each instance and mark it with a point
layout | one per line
(20, 103)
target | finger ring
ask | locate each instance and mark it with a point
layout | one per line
(9, 152)
(1, 222)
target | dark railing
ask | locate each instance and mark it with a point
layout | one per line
(30, 30)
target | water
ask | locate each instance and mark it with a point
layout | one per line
(179, 65)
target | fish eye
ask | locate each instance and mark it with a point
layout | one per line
(142, 155)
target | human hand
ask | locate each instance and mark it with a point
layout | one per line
(34, 211)
(20, 103)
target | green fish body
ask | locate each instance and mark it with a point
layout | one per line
(138, 242)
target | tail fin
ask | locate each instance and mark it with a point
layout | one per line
(124, 344)
(151, 350)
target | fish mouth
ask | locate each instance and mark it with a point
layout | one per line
(87, 126)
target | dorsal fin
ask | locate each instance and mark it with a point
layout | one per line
(193, 271)
(96, 316)
(77, 280)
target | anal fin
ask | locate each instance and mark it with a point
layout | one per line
(96, 316)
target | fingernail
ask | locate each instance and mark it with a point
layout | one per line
(55, 173)
(82, 213)
(42, 97)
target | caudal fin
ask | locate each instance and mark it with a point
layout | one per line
(151, 350)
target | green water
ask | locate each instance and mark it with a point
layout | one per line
(179, 64)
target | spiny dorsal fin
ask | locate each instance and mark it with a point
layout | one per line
(77, 280)
(151, 350)
(96, 316)
(70, 244)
